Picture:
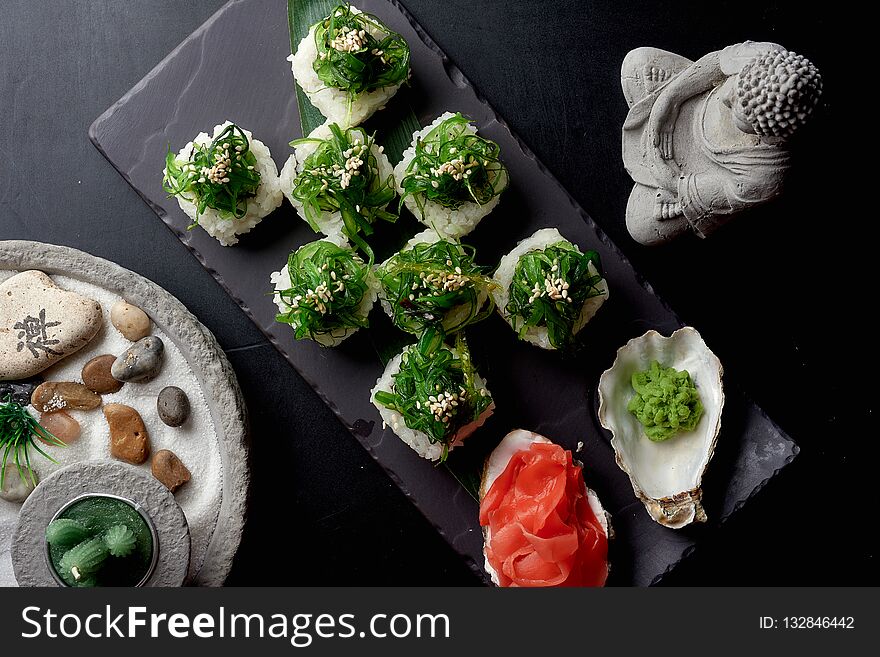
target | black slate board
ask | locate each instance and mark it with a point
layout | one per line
(214, 75)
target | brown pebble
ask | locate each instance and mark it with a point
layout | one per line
(129, 440)
(96, 375)
(169, 469)
(61, 425)
(130, 320)
(56, 396)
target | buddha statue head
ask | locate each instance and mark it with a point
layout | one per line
(775, 94)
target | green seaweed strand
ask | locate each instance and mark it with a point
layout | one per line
(549, 289)
(352, 59)
(666, 401)
(222, 175)
(425, 282)
(19, 431)
(453, 166)
(435, 391)
(342, 175)
(328, 283)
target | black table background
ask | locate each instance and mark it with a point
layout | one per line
(768, 294)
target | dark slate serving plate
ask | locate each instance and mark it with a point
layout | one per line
(214, 75)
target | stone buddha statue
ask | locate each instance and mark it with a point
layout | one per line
(707, 139)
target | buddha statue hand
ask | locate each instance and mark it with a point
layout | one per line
(661, 125)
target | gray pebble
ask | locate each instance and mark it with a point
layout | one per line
(141, 362)
(173, 406)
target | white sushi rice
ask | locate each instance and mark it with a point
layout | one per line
(329, 223)
(446, 221)
(333, 103)
(457, 314)
(503, 276)
(281, 281)
(419, 440)
(267, 198)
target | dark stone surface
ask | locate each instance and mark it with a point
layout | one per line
(768, 293)
(531, 388)
(19, 391)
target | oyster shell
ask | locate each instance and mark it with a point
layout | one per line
(665, 475)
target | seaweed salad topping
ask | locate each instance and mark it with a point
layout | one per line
(328, 284)
(435, 285)
(549, 289)
(453, 166)
(358, 53)
(18, 433)
(221, 175)
(342, 175)
(435, 391)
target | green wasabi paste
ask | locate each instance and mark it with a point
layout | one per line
(666, 401)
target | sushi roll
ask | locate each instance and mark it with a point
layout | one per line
(325, 292)
(450, 177)
(432, 397)
(340, 182)
(434, 283)
(548, 290)
(541, 525)
(225, 183)
(350, 64)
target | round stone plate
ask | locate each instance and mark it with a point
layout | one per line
(101, 477)
(207, 362)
